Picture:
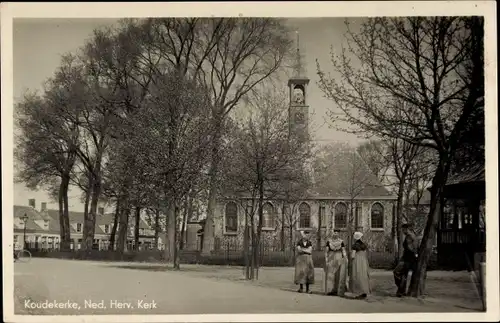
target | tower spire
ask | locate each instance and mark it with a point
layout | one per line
(299, 69)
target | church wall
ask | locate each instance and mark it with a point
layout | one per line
(378, 239)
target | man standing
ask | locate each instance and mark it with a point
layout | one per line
(408, 261)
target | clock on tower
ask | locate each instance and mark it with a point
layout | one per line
(299, 110)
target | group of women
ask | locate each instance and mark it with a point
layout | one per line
(336, 263)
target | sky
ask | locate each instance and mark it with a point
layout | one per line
(38, 45)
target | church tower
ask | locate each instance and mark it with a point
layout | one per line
(298, 112)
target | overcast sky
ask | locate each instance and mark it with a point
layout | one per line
(39, 44)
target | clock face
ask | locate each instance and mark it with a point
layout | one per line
(299, 117)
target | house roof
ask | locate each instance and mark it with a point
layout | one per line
(33, 215)
(21, 210)
(53, 217)
(470, 175)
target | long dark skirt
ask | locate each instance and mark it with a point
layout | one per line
(304, 269)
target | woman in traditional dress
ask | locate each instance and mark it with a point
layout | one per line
(304, 267)
(335, 266)
(360, 268)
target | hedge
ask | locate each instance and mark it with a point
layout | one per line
(377, 260)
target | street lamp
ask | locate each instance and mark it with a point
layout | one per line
(25, 220)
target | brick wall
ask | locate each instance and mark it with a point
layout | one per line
(378, 239)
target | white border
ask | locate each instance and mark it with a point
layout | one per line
(277, 9)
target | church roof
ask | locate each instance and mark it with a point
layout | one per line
(337, 172)
(340, 172)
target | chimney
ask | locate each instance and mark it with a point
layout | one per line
(44, 207)
(32, 203)
(100, 211)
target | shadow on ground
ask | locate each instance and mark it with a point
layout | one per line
(164, 267)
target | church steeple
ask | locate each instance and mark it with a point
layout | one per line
(298, 68)
(299, 110)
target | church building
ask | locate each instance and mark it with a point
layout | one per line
(329, 205)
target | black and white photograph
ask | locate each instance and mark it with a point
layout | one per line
(253, 161)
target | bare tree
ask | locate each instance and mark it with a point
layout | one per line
(291, 192)
(263, 156)
(404, 168)
(420, 73)
(374, 153)
(418, 182)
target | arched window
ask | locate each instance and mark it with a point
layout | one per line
(340, 216)
(304, 215)
(231, 217)
(268, 216)
(377, 216)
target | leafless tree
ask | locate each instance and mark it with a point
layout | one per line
(420, 73)
(263, 156)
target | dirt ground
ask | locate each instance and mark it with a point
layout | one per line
(214, 290)
(456, 288)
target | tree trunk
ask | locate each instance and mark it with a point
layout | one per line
(137, 227)
(90, 218)
(171, 224)
(282, 229)
(208, 232)
(64, 214)
(253, 270)
(394, 235)
(123, 229)
(176, 255)
(399, 219)
(86, 208)
(417, 285)
(259, 228)
(318, 232)
(157, 227)
(349, 244)
(246, 248)
(89, 221)
(251, 232)
(112, 239)
(291, 223)
(88, 194)
(184, 223)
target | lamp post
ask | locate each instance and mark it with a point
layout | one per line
(25, 220)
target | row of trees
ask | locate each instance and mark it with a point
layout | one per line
(139, 117)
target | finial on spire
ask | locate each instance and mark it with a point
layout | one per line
(298, 64)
